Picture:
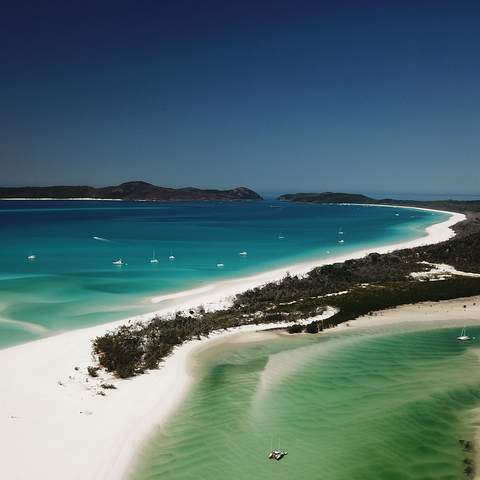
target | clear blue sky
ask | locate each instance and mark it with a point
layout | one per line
(279, 96)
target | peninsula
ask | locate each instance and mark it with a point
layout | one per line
(109, 418)
(132, 191)
(462, 206)
(354, 285)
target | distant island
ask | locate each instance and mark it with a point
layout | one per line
(133, 191)
(336, 197)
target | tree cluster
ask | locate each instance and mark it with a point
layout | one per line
(375, 282)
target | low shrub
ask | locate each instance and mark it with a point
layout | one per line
(93, 371)
(312, 327)
(108, 386)
(295, 328)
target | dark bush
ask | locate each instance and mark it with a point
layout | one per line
(108, 386)
(93, 371)
(312, 327)
(374, 283)
(295, 328)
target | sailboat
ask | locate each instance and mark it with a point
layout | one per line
(154, 259)
(277, 454)
(32, 257)
(118, 263)
(172, 256)
(463, 335)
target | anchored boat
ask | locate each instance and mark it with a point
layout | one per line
(154, 259)
(277, 454)
(463, 335)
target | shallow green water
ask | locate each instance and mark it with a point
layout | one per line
(349, 406)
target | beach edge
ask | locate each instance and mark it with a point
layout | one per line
(123, 420)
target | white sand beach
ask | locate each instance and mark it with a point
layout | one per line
(54, 423)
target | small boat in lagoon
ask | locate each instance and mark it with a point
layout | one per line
(463, 335)
(118, 263)
(32, 257)
(220, 265)
(277, 454)
(243, 254)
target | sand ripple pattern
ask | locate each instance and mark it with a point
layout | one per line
(359, 406)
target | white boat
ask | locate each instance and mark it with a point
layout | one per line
(32, 257)
(118, 262)
(463, 335)
(154, 259)
(243, 254)
(220, 265)
(281, 237)
(341, 241)
(340, 231)
(277, 454)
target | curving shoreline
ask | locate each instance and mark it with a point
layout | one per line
(218, 292)
(50, 413)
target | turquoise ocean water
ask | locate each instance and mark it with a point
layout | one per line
(73, 283)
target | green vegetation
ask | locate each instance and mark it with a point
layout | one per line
(363, 301)
(131, 191)
(354, 288)
(108, 386)
(295, 328)
(93, 371)
(339, 197)
(313, 327)
(132, 349)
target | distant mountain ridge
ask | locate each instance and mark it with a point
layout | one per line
(335, 197)
(137, 190)
(327, 197)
